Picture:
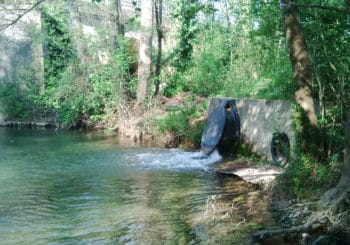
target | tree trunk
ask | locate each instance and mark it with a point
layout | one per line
(144, 68)
(347, 6)
(158, 4)
(76, 31)
(299, 59)
(119, 18)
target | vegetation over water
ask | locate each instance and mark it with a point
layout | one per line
(294, 50)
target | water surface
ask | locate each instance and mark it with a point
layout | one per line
(61, 187)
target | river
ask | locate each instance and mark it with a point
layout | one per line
(59, 187)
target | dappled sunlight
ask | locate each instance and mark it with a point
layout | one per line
(260, 119)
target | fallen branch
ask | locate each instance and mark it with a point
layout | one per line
(309, 226)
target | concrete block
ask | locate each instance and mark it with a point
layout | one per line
(260, 119)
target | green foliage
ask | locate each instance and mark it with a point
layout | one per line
(186, 15)
(248, 59)
(20, 98)
(207, 74)
(15, 105)
(59, 52)
(306, 179)
(308, 175)
(94, 98)
(183, 122)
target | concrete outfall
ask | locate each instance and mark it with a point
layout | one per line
(261, 176)
(260, 120)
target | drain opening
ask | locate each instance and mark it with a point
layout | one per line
(280, 148)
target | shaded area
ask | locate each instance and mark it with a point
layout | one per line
(280, 148)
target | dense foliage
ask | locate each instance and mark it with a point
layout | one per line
(69, 95)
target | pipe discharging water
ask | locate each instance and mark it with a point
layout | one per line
(222, 131)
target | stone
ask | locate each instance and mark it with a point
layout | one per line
(248, 172)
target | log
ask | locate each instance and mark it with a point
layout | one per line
(312, 225)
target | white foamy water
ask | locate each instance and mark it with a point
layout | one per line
(174, 159)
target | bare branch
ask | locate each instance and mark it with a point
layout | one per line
(19, 16)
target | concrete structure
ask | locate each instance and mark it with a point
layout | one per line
(20, 45)
(260, 119)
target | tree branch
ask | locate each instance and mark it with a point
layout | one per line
(313, 224)
(289, 5)
(4, 26)
(322, 7)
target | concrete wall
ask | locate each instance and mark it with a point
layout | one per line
(260, 119)
(19, 46)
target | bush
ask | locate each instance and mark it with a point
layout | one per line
(305, 178)
(184, 122)
(20, 98)
(94, 98)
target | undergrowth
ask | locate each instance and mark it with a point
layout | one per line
(186, 122)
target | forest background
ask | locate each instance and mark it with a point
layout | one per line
(169, 56)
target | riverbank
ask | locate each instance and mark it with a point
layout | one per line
(297, 221)
(20, 124)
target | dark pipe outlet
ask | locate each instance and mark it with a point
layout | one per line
(223, 127)
(229, 141)
(280, 148)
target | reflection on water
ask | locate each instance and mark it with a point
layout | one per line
(74, 188)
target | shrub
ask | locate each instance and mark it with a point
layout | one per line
(184, 122)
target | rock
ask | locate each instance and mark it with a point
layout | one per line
(249, 173)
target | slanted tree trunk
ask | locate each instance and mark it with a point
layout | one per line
(144, 68)
(158, 4)
(299, 58)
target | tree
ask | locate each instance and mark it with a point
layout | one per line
(144, 67)
(347, 6)
(187, 17)
(119, 18)
(299, 58)
(158, 9)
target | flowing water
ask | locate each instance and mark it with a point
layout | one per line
(61, 187)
